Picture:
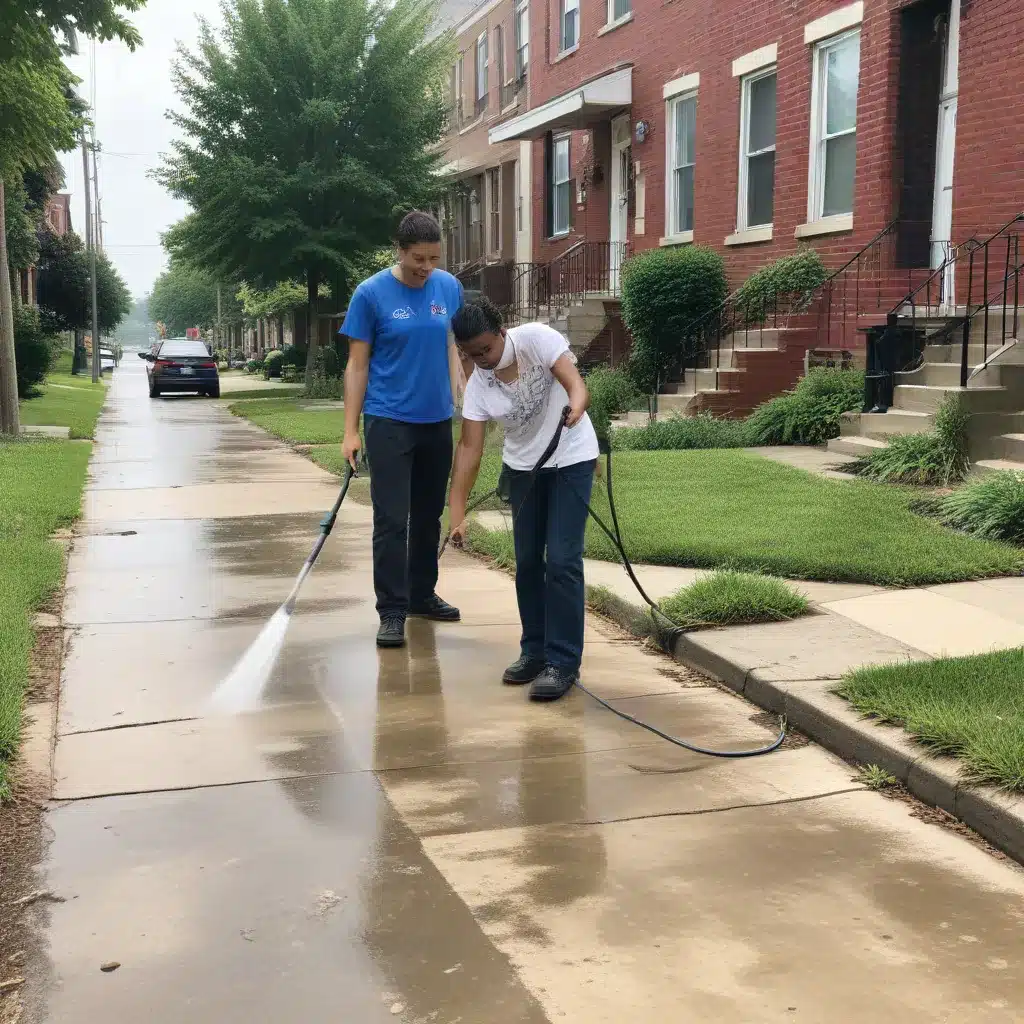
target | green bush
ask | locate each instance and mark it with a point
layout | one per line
(681, 432)
(727, 598)
(664, 293)
(787, 283)
(331, 362)
(295, 356)
(992, 508)
(254, 366)
(937, 458)
(811, 412)
(612, 392)
(321, 383)
(273, 363)
(33, 350)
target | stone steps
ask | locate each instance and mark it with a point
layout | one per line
(855, 445)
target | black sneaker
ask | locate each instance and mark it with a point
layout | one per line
(552, 684)
(436, 609)
(525, 670)
(391, 632)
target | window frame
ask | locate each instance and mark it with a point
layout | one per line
(494, 209)
(743, 198)
(613, 18)
(565, 7)
(819, 115)
(480, 74)
(672, 229)
(556, 141)
(521, 35)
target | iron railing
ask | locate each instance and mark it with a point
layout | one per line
(753, 321)
(586, 269)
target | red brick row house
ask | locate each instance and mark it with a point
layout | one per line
(887, 132)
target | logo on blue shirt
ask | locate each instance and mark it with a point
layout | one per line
(438, 310)
(403, 314)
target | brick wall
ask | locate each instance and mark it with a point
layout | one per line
(679, 37)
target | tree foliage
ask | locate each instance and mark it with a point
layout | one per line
(22, 242)
(185, 296)
(274, 302)
(63, 292)
(29, 25)
(309, 126)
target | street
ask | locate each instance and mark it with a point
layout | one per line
(396, 836)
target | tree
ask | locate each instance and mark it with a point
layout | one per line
(185, 296)
(309, 126)
(40, 116)
(29, 25)
(62, 287)
(21, 225)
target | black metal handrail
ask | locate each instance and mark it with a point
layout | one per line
(586, 268)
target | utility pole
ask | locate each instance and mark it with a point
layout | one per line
(91, 246)
(220, 326)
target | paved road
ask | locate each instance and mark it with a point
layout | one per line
(396, 836)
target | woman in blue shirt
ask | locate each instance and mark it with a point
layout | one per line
(400, 377)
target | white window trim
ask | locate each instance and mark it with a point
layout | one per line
(816, 169)
(611, 22)
(481, 41)
(555, 231)
(564, 7)
(833, 23)
(522, 7)
(742, 204)
(765, 57)
(751, 236)
(826, 226)
(688, 83)
(674, 236)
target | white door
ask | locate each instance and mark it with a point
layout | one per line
(619, 212)
(945, 151)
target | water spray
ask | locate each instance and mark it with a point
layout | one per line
(243, 687)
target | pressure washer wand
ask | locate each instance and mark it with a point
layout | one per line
(326, 525)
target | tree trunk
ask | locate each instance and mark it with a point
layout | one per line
(312, 324)
(9, 418)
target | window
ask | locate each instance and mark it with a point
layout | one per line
(460, 78)
(682, 150)
(522, 33)
(570, 24)
(618, 9)
(499, 52)
(757, 150)
(560, 187)
(494, 207)
(481, 73)
(834, 126)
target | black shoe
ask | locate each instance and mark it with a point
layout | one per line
(525, 670)
(552, 684)
(391, 632)
(436, 609)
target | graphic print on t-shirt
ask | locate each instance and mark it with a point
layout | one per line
(527, 395)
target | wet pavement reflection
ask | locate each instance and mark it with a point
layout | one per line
(394, 835)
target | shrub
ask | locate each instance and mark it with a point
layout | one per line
(254, 366)
(331, 362)
(937, 458)
(679, 432)
(664, 293)
(273, 363)
(787, 283)
(728, 598)
(811, 412)
(611, 393)
(294, 356)
(33, 350)
(992, 508)
(321, 384)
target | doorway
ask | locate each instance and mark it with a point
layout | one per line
(618, 219)
(945, 151)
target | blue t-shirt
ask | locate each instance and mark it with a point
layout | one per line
(407, 329)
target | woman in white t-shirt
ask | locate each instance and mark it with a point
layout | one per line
(524, 378)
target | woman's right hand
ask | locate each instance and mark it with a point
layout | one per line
(458, 535)
(350, 448)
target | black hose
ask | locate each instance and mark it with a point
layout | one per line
(668, 635)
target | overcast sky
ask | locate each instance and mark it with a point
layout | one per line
(133, 90)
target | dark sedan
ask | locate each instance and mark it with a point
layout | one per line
(180, 365)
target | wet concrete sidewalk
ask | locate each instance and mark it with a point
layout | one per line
(396, 836)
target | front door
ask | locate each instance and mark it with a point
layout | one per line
(619, 212)
(942, 203)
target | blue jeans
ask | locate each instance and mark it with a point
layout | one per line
(550, 518)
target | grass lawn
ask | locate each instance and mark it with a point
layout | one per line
(66, 401)
(290, 420)
(731, 509)
(252, 393)
(40, 491)
(968, 707)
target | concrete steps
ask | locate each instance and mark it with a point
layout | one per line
(855, 445)
(880, 425)
(986, 466)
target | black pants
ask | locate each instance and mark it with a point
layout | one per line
(549, 529)
(409, 468)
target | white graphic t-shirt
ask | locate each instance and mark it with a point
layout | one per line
(530, 407)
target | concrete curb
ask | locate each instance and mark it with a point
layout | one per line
(812, 707)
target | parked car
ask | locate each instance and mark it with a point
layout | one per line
(181, 365)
